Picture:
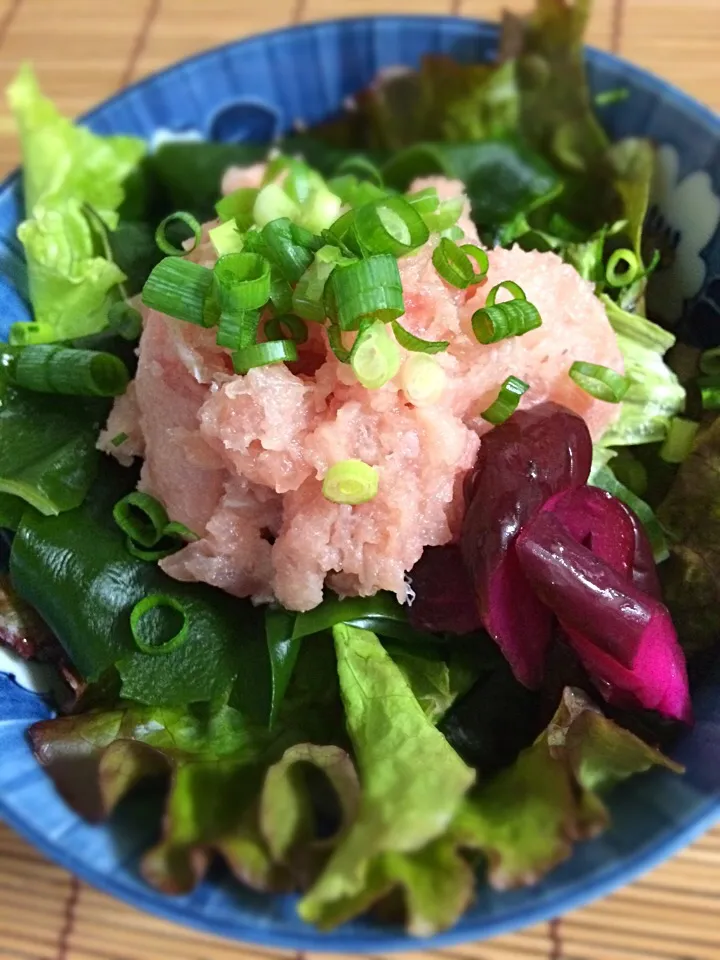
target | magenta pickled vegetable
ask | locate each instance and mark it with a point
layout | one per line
(624, 637)
(444, 599)
(536, 454)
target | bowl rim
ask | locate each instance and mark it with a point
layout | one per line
(379, 938)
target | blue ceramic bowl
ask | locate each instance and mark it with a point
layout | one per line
(254, 88)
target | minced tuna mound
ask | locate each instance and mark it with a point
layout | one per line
(240, 459)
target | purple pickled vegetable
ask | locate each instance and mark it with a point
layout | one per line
(600, 522)
(624, 637)
(444, 599)
(534, 455)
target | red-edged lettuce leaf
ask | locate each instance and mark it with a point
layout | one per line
(526, 820)
(214, 759)
(22, 630)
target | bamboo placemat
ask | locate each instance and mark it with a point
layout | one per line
(84, 50)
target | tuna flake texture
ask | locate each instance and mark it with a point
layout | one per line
(240, 459)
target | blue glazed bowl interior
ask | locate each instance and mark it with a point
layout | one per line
(253, 89)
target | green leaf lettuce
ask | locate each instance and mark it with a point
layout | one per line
(412, 785)
(66, 169)
(526, 819)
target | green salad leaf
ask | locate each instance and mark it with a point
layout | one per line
(291, 801)
(47, 451)
(215, 762)
(526, 819)
(655, 394)
(66, 170)
(428, 677)
(412, 781)
(230, 782)
(691, 515)
(285, 631)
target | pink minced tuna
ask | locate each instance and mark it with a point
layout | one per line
(241, 459)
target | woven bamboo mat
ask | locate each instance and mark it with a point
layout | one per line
(84, 50)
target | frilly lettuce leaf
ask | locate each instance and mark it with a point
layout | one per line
(655, 395)
(289, 807)
(215, 776)
(63, 161)
(69, 285)
(691, 515)
(67, 169)
(526, 819)
(412, 781)
(215, 759)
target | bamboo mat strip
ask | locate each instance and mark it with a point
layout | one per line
(86, 49)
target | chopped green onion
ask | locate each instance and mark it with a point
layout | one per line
(169, 248)
(710, 392)
(300, 180)
(119, 439)
(423, 379)
(367, 288)
(454, 265)
(375, 357)
(479, 256)
(53, 368)
(446, 215)
(424, 201)
(599, 381)
(141, 517)
(341, 233)
(281, 293)
(286, 247)
(152, 554)
(351, 482)
(512, 288)
(276, 166)
(390, 225)
(180, 289)
(321, 209)
(174, 537)
(125, 320)
(148, 637)
(263, 354)
(679, 441)
(452, 233)
(226, 238)
(354, 193)
(23, 332)
(336, 344)
(607, 97)
(710, 362)
(511, 318)
(630, 471)
(361, 167)
(238, 330)
(507, 401)
(238, 207)
(622, 268)
(410, 342)
(272, 203)
(242, 281)
(180, 531)
(286, 328)
(308, 296)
